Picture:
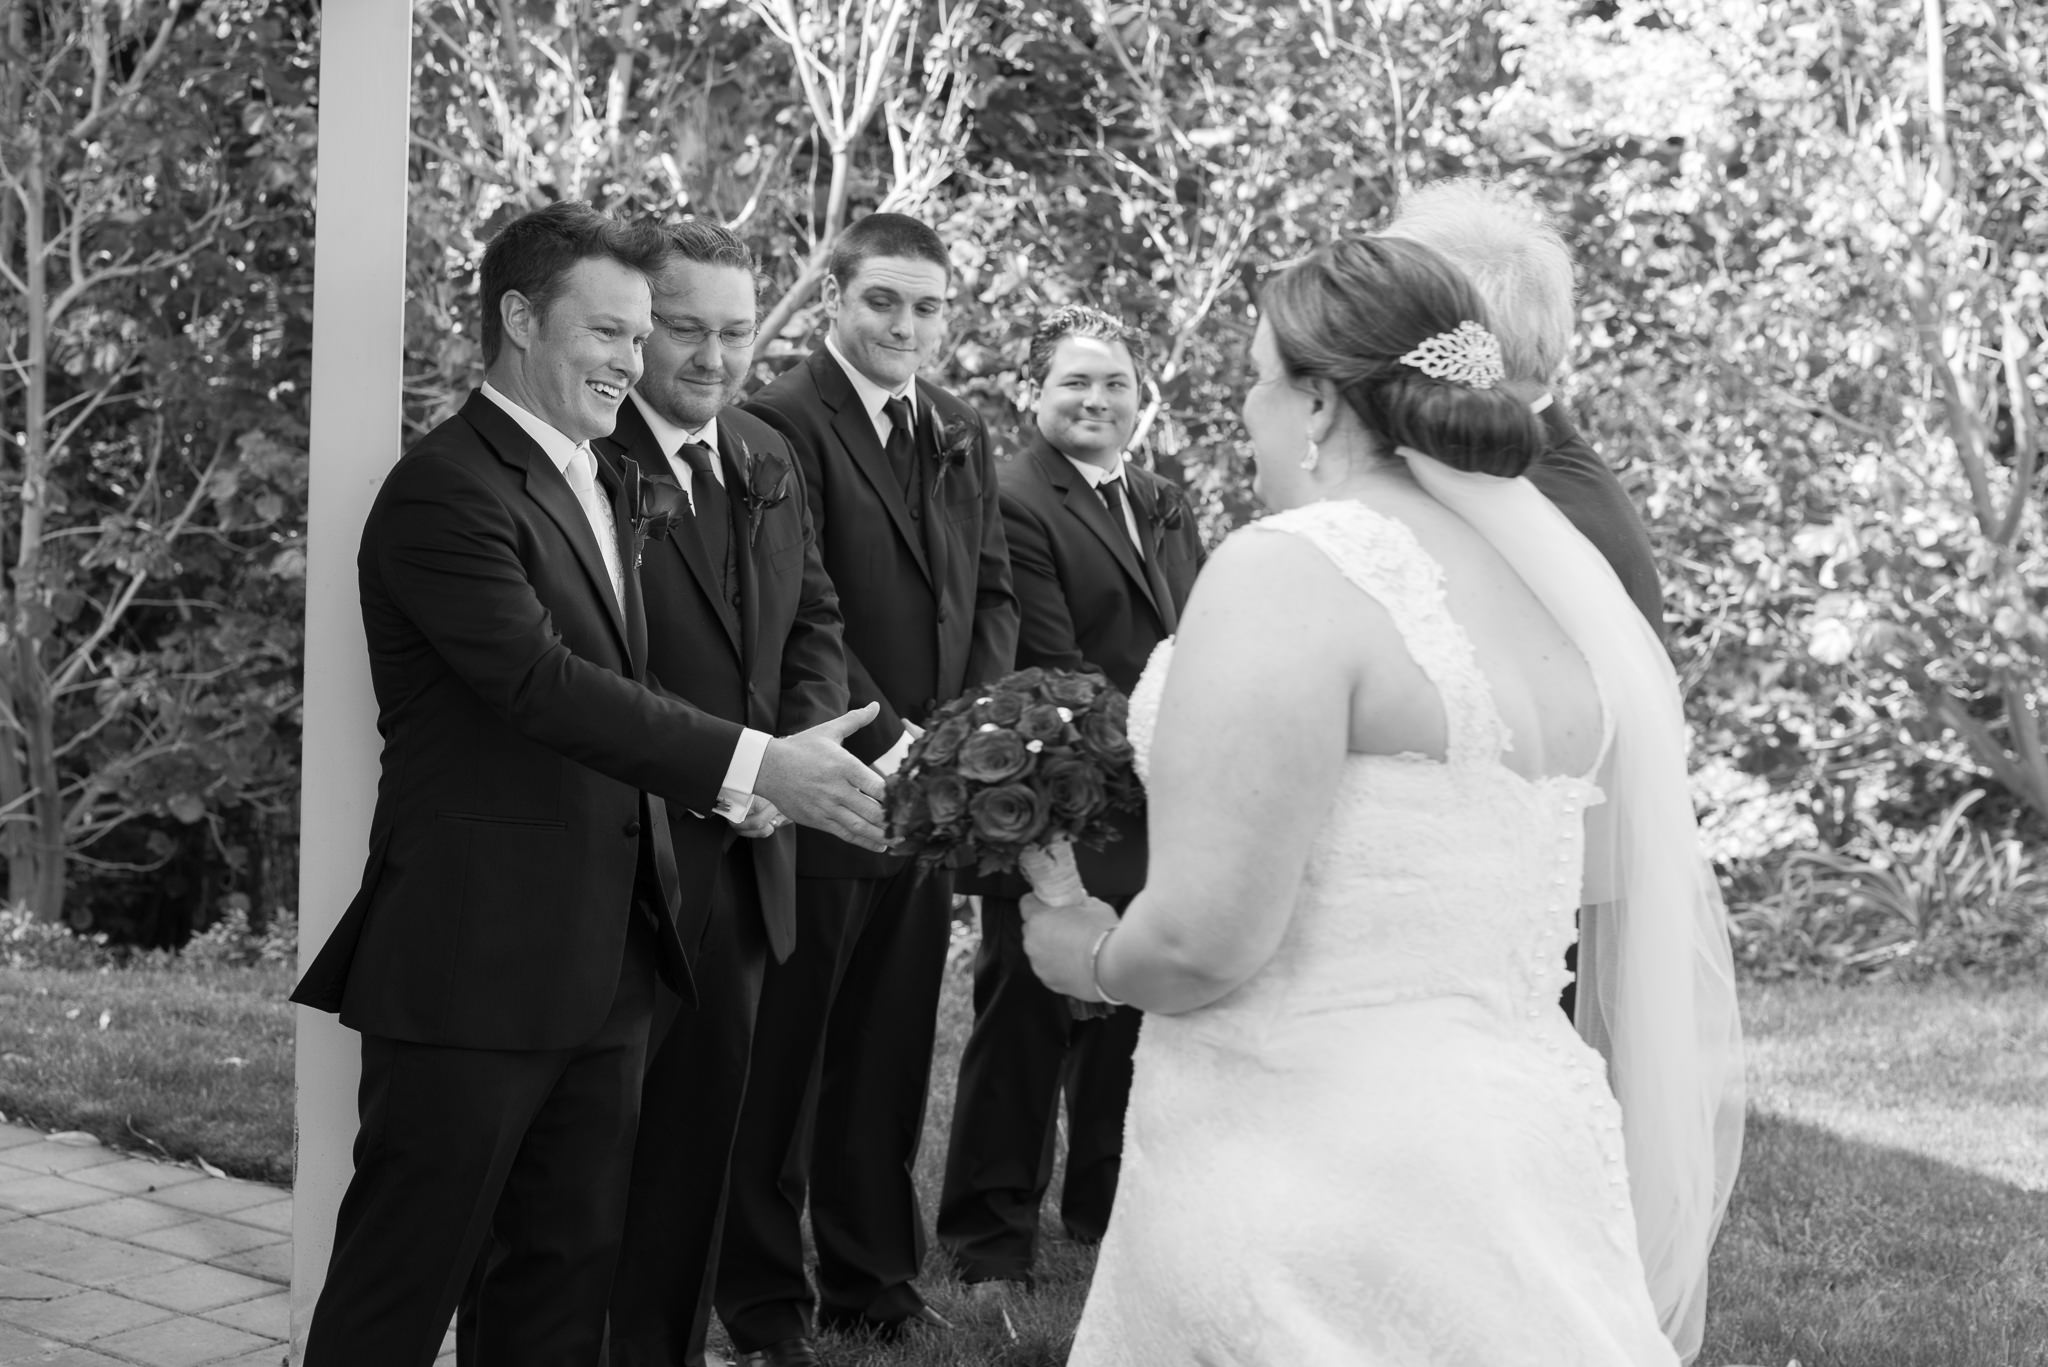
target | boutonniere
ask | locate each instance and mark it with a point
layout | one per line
(651, 507)
(768, 483)
(1169, 515)
(956, 444)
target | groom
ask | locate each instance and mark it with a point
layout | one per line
(522, 893)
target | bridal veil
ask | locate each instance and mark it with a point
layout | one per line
(1656, 993)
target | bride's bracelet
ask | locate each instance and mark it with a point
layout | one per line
(1095, 968)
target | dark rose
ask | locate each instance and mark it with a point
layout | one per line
(1073, 690)
(909, 813)
(942, 742)
(945, 799)
(1073, 788)
(1001, 707)
(1024, 680)
(1041, 722)
(1103, 729)
(1011, 815)
(992, 756)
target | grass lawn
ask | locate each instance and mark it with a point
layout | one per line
(188, 1064)
(1892, 1211)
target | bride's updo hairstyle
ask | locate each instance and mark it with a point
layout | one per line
(1349, 311)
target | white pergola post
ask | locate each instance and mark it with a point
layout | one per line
(358, 334)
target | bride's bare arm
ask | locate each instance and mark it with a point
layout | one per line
(1253, 728)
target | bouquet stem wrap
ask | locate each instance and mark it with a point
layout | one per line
(1054, 875)
(1056, 879)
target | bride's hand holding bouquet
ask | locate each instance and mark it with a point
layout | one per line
(1010, 776)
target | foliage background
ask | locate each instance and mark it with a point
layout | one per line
(1812, 301)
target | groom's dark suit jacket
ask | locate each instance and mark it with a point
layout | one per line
(1571, 475)
(923, 582)
(772, 661)
(524, 763)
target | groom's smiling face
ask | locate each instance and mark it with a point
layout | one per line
(570, 361)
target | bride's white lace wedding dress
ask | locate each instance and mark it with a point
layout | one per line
(1388, 1146)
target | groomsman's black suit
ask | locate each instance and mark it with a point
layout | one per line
(842, 1048)
(1572, 475)
(521, 890)
(763, 650)
(1086, 598)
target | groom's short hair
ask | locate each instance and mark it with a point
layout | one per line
(535, 252)
(1517, 261)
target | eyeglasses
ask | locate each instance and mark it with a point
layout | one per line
(695, 334)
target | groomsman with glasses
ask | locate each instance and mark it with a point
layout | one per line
(903, 499)
(742, 622)
(1103, 554)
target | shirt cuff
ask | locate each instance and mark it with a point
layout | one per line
(736, 794)
(891, 761)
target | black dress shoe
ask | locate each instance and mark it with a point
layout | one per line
(796, 1352)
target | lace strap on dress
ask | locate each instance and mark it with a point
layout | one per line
(1381, 557)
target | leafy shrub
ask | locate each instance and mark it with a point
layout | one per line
(26, 942)
(230, 942)
(1951, 899)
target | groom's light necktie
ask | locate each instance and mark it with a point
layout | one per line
(582, 476)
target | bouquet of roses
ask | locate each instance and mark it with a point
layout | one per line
(1012, 774)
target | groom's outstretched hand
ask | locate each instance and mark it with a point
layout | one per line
(814, 781)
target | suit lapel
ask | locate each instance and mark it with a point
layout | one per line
(856, 432)
(635, 606)
(1145, 491)
(549, 487)
(1087, 505)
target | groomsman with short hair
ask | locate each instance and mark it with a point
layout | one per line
(903, 499)
(742, 622)
(1103, 554)
(521, 893)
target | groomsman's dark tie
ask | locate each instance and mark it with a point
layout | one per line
(902, 447)
(1112, 491)
(714, 515)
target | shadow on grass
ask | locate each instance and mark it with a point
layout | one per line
(1840, 1253)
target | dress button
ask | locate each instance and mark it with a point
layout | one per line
(632, 828)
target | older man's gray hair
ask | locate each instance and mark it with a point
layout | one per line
(1519, 264)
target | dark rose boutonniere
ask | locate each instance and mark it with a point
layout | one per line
(651, 507)
(768, 483)
(956, 444)
(1170, 515)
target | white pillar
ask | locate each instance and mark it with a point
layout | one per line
(358, 334)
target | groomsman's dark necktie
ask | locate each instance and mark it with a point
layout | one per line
(902, 446)
(714, 515)
(1112, 491)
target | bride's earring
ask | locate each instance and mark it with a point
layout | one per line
(1315, 454)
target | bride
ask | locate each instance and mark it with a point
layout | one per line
(1411, 726)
